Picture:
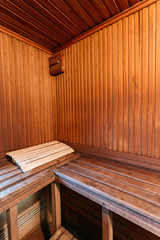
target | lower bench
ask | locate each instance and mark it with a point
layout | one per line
(62, 234)
(129, 191)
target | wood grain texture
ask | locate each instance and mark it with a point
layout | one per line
(25, 95)
(122, 189)
(12, 222)
(107, 224)
(53, 23)
(83, 217)
(111, 98)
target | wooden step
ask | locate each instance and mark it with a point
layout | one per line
(62, 234)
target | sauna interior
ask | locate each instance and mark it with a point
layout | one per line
(83, 75)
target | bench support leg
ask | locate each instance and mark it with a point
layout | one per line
(56, 206)
(12, 223)
(107, 224)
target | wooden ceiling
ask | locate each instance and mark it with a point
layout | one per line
(52, 23)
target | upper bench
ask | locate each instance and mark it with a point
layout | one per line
(37, 162)
(131, 192)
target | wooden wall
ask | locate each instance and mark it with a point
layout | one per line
(108, 96)
(25, 95)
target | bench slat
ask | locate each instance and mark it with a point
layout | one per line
(148, 176)
(99, 188)
(120, 177)
(20, 191)
(7, 169)
(32, 148)
(118, 187)
(116, 183)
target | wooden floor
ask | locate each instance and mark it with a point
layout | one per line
(37, 234)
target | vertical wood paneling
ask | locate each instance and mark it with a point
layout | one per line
(157, 88)
(93, 89)
(137, 116)
(151, 86)
(120, 88)
(101, 78)
(125, 82)
(131, 82)
(97, 90)
(104, 76)
(26, 114)
(144, 81)
(109, 87)
(88, 94)
(115, 88)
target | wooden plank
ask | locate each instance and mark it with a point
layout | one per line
(151, 80)
(56, 205)
(112, 206)
(33, 148)
(92, 56)
(107, 224)
(113, 193)
(40, 156)
(125, 45)
(81, 12)
(131, 83)
(109, 87)
(96, 102)
(58, 233)
(120, 87)
(157, 84)
(31, 156)
(142, 161)
(66, 236)
(145, 82)
(114, 87)
(138, 71)
(101, 9)
(112, 6)
(115, 183)
(129, 179)
(141, 5)
(7, 168)
(16, 178)
(88, 7)
(147, 174)
(29, 14)
(71, 15)
(12, 222)
(10, 174)
(24, 189)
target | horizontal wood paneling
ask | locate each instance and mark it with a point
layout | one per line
(25, 95)
(108, 96)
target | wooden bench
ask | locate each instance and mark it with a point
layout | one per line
(129, 191)
(16, 186)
